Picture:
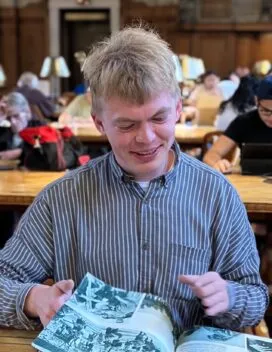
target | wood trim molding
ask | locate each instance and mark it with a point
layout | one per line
(236, 27)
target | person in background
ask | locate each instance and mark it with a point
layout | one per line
(28, 86)
(208, 86)
(242, 71)
(207, 97)
(17, 112)
(144, 217)
(234, 78)
(242, 101)
(79, 110)
(252, 127)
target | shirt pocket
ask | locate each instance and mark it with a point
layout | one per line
(183, 260)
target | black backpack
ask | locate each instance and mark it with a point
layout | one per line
(46, 148)
(5, 138)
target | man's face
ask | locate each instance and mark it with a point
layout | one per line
(17, 118)
(211, 81)
(140, 135)
(265, 111)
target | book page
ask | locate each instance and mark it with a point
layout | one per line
(99, 317)
(209, 339)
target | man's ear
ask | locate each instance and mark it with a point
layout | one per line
(178, 109)
(99, 124)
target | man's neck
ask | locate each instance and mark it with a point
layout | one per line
(168, 167)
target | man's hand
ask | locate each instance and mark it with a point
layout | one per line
(44, 301)
(223, 166)
(211, 289)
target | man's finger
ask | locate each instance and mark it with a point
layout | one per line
(213, 300)
(210, 277)
(216, 309)
(65, 286)
(188, 279)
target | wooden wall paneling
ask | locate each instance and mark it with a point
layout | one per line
(33, 37)
(216, 49)
(180, 42)
(164, 19)
(264, 51)
(246, 49)
(8, 46)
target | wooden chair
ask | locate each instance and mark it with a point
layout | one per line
(260, 330)
(37, 113)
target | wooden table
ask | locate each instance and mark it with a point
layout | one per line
(189, 135)
(256, 194)
(192, 135)
(12, 340)
(19, 188)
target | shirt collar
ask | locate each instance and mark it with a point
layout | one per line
(123, 177)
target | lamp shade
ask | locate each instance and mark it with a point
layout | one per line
(3, 77)
(192, 67)
(178, 68)
(262, 67)
(54, 66)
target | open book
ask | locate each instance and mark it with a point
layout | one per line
(99, 317)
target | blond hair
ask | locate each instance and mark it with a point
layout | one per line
(134, 65)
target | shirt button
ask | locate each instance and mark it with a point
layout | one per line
(145, 246)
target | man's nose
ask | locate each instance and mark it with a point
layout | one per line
(145, 134)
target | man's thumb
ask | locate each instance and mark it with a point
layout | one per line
(65, 285)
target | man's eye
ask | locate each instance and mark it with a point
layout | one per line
(159, 119)
(126, 127)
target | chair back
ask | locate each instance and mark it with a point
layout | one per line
(207, 106)
(37, 113)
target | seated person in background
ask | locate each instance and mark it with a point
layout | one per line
(207, 97)
(18, 113)
(252, 127)
(28, 86)
(234, 78)
(242, 101)
(242, 71)
(79, 110)
(144, 217)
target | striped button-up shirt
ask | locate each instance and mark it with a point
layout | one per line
(97, 219)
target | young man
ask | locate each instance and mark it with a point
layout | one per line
(144, 217)
(252, 127)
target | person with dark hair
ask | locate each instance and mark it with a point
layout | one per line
(242, 101)
(252, 127)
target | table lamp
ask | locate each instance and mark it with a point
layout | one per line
(262, 67)
(3, 77)
(178, 68)
(54, 68)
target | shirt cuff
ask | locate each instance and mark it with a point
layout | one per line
(231, 289)
(28, 323)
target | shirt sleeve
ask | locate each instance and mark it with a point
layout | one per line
(25, 261)
(239, 265)
(235, 130)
